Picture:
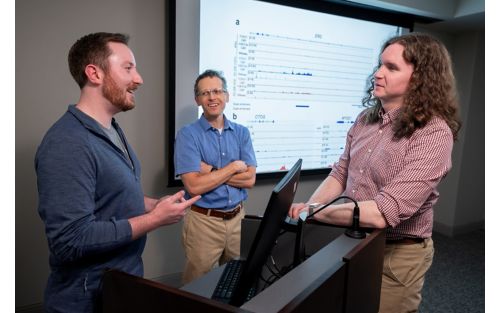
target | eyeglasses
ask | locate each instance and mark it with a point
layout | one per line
(215, 92)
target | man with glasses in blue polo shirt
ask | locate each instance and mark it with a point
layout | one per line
(214, 158)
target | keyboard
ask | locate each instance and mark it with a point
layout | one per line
(228, 281)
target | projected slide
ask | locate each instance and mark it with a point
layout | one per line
(295, 77)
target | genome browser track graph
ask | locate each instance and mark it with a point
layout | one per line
(274, 67)
(299, 78)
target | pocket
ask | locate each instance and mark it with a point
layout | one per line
(187, 229)
(408, 264)
(74, 291)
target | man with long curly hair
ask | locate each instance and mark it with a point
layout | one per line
(396, 153)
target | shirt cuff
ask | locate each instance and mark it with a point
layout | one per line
(123, 229)
(389, 208)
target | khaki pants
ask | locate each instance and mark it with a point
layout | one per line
(403, 276)
(209, 241)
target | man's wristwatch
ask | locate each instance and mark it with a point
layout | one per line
(313, 206)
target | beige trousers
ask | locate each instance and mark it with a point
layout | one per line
(403, 276)
(208, 242)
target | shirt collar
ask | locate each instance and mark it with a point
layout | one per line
(389, 117)
(206, 125)
(88, 121)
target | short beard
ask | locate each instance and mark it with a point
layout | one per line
(115, 95)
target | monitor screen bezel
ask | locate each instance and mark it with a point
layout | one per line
(276, 211)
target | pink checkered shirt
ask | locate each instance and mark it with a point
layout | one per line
(401, 176)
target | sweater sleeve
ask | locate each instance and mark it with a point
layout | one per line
(66, 174)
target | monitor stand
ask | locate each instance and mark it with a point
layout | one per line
(299, 251)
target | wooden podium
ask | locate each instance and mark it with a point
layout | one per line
(342, 274)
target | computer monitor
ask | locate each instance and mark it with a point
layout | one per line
(269, 229)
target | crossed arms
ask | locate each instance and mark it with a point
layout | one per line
(236, 174)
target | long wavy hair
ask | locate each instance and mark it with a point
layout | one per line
(431, 90)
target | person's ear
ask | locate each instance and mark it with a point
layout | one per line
(197, 99)
(94, 74)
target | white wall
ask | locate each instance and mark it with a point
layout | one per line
(45, 30)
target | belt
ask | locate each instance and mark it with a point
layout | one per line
(226, 215)
(405, 241)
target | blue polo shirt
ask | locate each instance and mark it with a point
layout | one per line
(199, 142)
(87, 191)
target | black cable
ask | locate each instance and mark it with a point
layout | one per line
(275, 265)
(352, 232)
(274, 278)
(266, 281)
(270, 280)
(271, 270)
(331, 202)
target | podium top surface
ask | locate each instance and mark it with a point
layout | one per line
(279, 294)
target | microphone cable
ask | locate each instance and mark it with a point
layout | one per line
(352, 232)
